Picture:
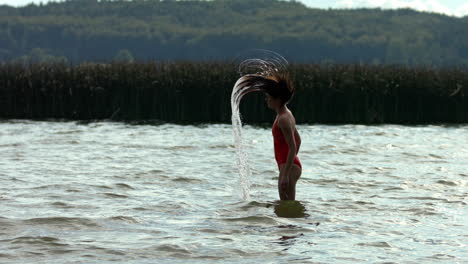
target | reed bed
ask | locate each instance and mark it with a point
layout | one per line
(199, 92)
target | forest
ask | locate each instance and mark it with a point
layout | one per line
(77, 31)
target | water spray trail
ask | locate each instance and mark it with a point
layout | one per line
(242, 159)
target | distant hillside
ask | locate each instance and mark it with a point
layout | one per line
(88, 30)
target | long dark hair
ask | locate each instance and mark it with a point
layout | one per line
(276, 85)
(269, 75)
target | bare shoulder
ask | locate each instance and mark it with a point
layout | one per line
(286, 120)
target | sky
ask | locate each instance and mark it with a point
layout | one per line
(457, 8)
(449, 7)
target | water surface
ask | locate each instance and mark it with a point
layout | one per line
(106, 192)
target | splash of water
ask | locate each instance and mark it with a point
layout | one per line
(242, 160)
(249, 67)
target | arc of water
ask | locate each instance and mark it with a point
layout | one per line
(242, 159)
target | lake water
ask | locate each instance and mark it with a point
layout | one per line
(105, 192)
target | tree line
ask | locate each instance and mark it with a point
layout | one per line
(77, 31)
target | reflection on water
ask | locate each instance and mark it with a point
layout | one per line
(102, 192)
(290, 209)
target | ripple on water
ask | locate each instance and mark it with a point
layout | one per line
(452, 183)
(6, 256)
(186, 180)
(152, 174)
(420, 211)
(6, 223)
(122, 218)
(115, 195)
(50, 186)
(38, 240)
(124, 186)
(61, 205)
(65, 222)
(254, 219)
(381, 244)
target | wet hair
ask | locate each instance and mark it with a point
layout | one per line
(266, 72)
(284, 89)
(276, 85)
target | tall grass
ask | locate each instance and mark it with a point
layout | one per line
(190, 92)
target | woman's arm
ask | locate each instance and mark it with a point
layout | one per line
(298, 141)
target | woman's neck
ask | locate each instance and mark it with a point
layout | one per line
(281, 109)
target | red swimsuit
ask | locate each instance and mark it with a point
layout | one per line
(282, 148)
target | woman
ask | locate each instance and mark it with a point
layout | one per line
(279, 91)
